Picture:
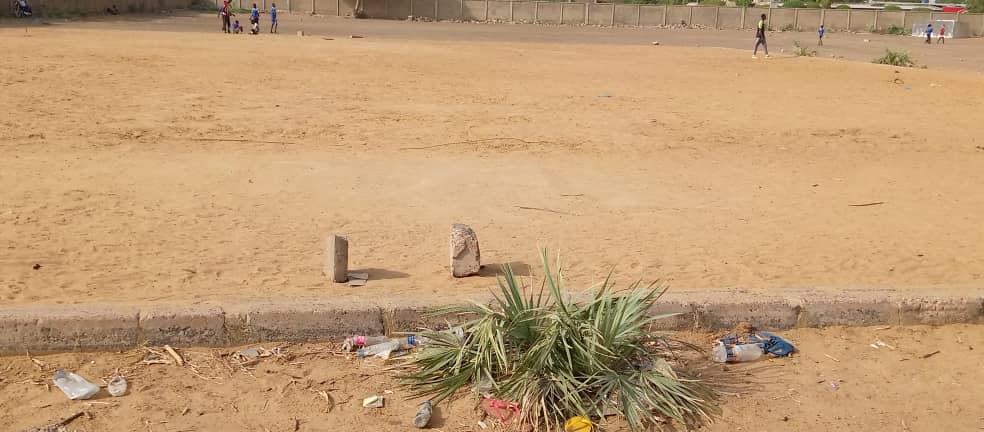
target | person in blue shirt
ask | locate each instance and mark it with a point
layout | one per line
(820, 32)
(254, 15)
(929, 32)
(273, 18)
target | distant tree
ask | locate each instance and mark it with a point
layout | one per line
(892, 8)
(975, 6)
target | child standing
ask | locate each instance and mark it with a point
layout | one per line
(760, 38)
(254, 15)
(820, 32)
(225, 13)
(273, 18)
(929, 32)
(942, 34)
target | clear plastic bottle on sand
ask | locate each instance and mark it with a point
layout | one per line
(423, 415)
(74, 386)
(736, 353)
(117, 386)
(380, 348)
(356, 342)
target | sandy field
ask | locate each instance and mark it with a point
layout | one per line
(892, 388)
(158, 160)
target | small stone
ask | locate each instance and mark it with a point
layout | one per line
(465, 255)
(336, 258)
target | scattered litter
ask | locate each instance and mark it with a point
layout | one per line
(883, 344)
(867, 40)
(578, 424)
(835, 385)
(354, 342)
(873, 346)
(831, 357)
(482, 425)
(935, 85)
(300, 32)
(898, 81)
(883, 328)
(36, 266)
(60, 426)
(358, 279)
(423, 415)
(355, 37)
(734, 348)
(250, 352)
(74, 386)
(381, 350)
(867, 204)
(605, 95)
(174, 354)
(499, 409)
(930, 354)
(117, 386)
(327, 38)
(656, 43)
(373, 402)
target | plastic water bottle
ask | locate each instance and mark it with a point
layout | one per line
(357, 341)
(117, 386)
(423, 415)
(736, 353)
(74, 386)
(379, 348)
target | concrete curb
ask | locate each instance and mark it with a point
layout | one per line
(52, 328)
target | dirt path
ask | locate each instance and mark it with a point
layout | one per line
(699, 166)
(925, 379)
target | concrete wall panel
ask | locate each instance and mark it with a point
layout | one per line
(704, 16)
(808, 19)
(835, 19)
(678, 15)
(475, 10)
(305, 6)
(916, 18)
(627, 14)
(729, 18)
(448, 9)
(573, 13)
(326, 7)
(752, 16)
(890, 18)
(548, 13)
(862, 21)
(600, 14)
(425, 9)
(523, 12)
(375, 8)
(398, 9)
(782, 20)
(651, 15)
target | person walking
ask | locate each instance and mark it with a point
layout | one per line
(273, 18)
(929, 32)
(942, 36)
(760, 38)
(820, 32)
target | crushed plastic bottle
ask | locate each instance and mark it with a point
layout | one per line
(736, 353)
(117, 386)
(74, 386)
(423, 415)
(380, 349)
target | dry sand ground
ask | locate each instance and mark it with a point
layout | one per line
(700, 166)
(887, 389)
